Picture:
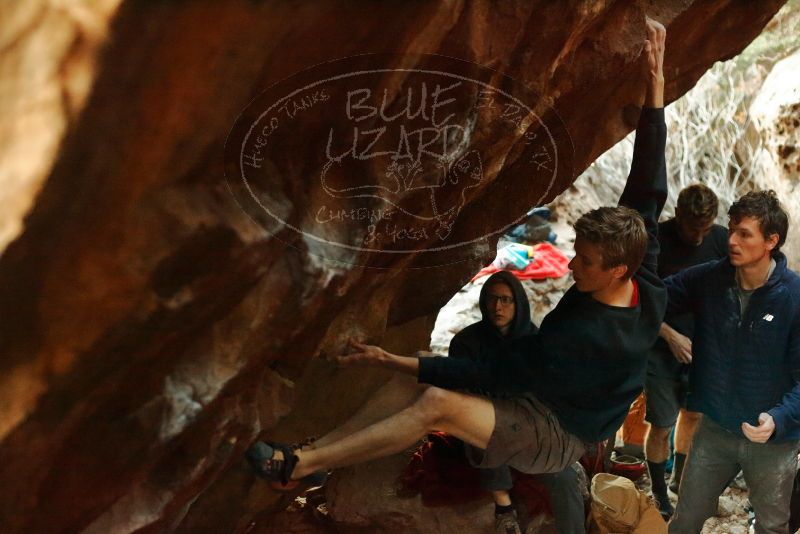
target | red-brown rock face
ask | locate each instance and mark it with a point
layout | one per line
(154, 323)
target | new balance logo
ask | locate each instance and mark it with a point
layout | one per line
(768, 317)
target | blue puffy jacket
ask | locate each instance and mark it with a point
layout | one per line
(743, 366)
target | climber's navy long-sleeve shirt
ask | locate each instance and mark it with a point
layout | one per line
(588, 361)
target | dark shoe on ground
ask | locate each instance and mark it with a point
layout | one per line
(673, 486)
(664, 506)
(506, 523)
(658, 488)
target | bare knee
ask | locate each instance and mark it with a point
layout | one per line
(687, 424)
(689, 419)
(656, 446)
(659, 433)
(432, 404)
(684, 433)
(404, 382)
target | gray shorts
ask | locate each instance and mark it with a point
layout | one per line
(665, 397)
(528, 437)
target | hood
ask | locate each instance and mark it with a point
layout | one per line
(522, 317)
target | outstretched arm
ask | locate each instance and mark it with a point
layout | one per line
(374, 356)
(654, 63)
(785, 417)
(645, 191)
(646, 188)
(508, 373)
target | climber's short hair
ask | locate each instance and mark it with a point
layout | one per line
(698, 204)
(619, 232)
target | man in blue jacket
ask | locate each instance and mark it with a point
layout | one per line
(745, 373)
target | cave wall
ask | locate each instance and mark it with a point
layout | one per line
(47, 66)
(773, 134)
(152, 328)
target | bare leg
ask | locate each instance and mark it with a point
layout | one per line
(684, 433)
(685, 429)
(656, 444)
(398, 393)
(467, 417)
(501, 497)
(497, 481)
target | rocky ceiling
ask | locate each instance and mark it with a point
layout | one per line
(247, 184)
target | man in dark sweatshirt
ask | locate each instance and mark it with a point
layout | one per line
(745, 372)
(688, 239)
(569, 385)
(505, 320)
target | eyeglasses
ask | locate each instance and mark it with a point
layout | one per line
(504, 300)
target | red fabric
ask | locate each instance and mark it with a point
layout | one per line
(531, 492)
(635, 296)
(440, 473)
(592, 460)
(548, 262)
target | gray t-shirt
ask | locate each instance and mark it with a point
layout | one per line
(745, 294)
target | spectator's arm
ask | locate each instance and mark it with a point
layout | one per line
(787, 414)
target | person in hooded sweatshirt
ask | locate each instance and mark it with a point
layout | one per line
(567, 387)
(505, 320)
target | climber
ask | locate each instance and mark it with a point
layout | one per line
(569, 385)
(745, 372)
(690, 238)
